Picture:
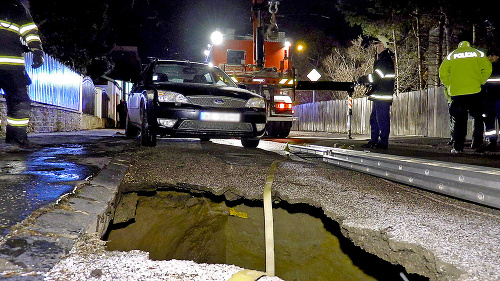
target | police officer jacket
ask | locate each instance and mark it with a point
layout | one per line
(464, 70)
(18, 34)
(382, 79)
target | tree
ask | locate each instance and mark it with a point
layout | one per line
(423, 32)
(77, 36)
(83, 34)
(348, 64)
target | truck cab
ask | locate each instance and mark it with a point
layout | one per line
(274, 81)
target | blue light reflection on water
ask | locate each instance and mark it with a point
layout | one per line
(46, 175)
(53, 173)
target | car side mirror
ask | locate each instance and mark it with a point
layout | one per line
(242, 86)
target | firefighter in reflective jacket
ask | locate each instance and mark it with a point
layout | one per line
(462, 72)
(381, 94)
(492, 103)
(18, 34)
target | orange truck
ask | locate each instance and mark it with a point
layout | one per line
(262, 63)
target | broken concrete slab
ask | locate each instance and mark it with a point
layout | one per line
(62, 223)
(35, 253)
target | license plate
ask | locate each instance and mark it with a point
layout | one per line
(219, 116)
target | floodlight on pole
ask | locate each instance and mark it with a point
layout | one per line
(216, 37)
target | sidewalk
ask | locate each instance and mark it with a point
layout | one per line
(53, 194)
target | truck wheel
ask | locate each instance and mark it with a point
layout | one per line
(271, 129)
(148, 133)
(284, 130)
(278, 129)
(250, 143)
(130, 130)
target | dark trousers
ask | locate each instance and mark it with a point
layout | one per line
(497, 108)
(478, 131)
(123, 120)
(15, 86)
(380, 122)
(452, 123)
(461, 107)
(492, 112)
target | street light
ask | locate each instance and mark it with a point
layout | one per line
(299, 47)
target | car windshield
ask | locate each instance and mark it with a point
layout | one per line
(191, 73)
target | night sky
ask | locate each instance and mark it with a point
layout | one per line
(187, 25)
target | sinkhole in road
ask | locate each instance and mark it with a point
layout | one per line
(207, 229)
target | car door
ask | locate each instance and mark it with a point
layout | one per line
(137, 94)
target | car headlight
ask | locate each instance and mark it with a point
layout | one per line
(168, 96)
(256, 103)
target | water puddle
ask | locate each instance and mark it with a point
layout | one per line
(308, 245)
(30, 181)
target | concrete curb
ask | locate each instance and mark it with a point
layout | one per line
(44, 238)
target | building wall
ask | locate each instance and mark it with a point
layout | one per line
(49, 118)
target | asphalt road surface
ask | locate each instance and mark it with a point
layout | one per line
(430, 234)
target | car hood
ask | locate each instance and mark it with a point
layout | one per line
(208, 90)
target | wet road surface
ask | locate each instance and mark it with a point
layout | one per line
(30, 180)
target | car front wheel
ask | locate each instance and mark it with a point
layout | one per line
(250, 143)
(130, 130)
(148, 133)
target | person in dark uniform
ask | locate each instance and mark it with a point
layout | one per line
(491, 104)
(381, 82)
(18, 34)
(121, 108)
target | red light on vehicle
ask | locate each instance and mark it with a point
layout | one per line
(283, 105)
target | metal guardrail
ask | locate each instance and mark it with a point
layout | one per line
(473, 183)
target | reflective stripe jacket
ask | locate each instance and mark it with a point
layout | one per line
(382, 79)
(18, 32)
(464, 70)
